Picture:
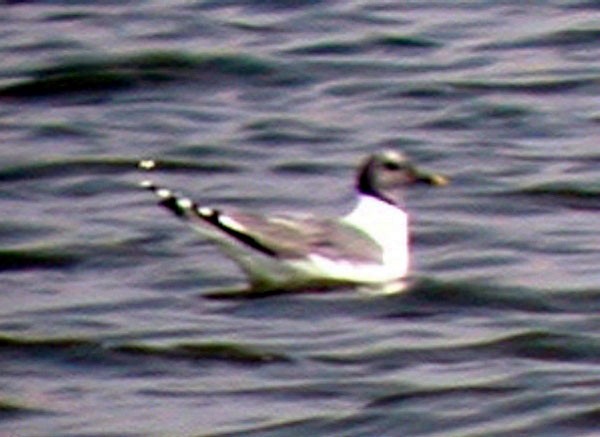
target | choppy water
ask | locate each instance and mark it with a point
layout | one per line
(104, 327)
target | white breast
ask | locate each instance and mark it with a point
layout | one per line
(387, 225)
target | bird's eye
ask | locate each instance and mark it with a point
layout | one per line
(391, 166)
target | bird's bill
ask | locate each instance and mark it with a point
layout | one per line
(430, 178)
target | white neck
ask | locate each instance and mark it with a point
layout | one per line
(386, 224)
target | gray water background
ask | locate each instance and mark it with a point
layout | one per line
(105, 328)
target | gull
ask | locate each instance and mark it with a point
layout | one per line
(367, 248)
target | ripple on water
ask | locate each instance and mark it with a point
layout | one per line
(87, 352)
(147, 70)
(99, 166)
(389, 43)
(37, 258)
(562, 38)
(572, 195)
(11, 410)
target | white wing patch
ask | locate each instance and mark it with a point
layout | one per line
(230, 223)
(205, 211)
(163, 193)
(185, 203)
(147, 164)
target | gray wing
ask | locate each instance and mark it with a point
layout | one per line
(281, 236)
(292, 237)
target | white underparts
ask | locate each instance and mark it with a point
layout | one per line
(387, 225)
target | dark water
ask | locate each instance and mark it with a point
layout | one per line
(105, 329)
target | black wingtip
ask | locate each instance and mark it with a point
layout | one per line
(177, 205)
(172, 205)
(148, 185)
(185, 208)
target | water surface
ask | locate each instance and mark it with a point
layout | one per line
(105, 328)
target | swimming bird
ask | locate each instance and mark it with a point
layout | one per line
(367, 248)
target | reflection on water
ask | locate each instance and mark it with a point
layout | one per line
(105, 324)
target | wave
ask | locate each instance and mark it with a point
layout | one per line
(86, 351)
(377, 43)
(145, 70)
(71, 167)
(572, 195)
